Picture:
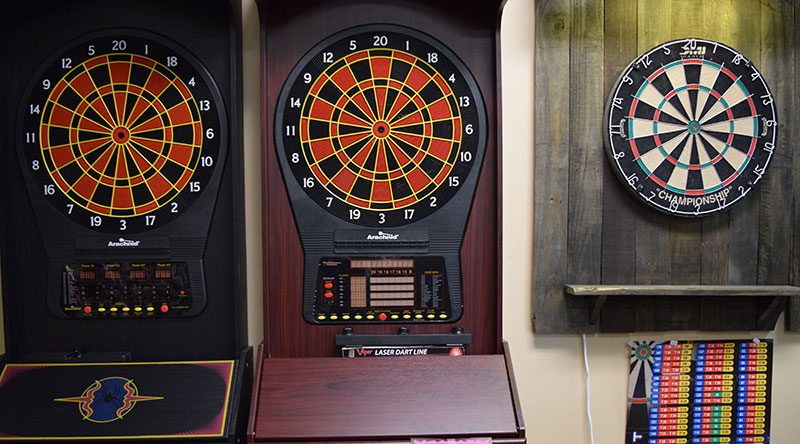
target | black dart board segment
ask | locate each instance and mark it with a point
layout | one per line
(690, 127)
(380, 131)
(124, 133)
(120, 188)
(381, 218)
(121, 131)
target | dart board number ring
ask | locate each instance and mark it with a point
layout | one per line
(690, 127)
(380, 125)
(121, 131)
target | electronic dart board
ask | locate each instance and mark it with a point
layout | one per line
(121, 132)
(121, 249)
(381, 219)
(380, 131)
(690, 127)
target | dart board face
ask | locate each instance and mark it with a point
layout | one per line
(690, 127)
(121, 131)
(380, 125)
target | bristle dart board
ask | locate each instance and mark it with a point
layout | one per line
(122, 132)
(380, 132)
(690, 127)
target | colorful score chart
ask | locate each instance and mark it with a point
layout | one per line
(699, 392)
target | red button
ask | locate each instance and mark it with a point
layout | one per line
(164, 308)
(382, 316)
(87, 309)
(328, 294)
(328, 285)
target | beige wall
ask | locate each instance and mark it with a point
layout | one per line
(549, 369)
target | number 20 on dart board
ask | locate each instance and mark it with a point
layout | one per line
(122, 133)
(380, 132)
(690, 127)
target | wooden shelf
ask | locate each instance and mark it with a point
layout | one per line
(766, 319)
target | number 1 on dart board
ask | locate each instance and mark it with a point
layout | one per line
(380, 132)
(121, 132)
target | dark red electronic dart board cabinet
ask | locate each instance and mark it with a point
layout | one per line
(120, 176)
(381, 176)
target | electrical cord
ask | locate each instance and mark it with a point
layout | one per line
(588, 392)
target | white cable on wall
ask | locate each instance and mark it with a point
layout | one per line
(588, 392)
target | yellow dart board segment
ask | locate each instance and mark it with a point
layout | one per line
(380, 125)
(122, 132)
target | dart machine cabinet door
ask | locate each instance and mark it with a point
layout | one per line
(382, 306)
(120, 164)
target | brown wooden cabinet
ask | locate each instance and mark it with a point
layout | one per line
(305, 391)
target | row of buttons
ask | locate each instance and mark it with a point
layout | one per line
(88, 309)
(380, 316)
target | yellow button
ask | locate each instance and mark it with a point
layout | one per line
(370, 317)
(113, 309)
(358, 316)
(443, 316)
(101, 309)
(430, 316)
(419, 316)
(406, 316)
(137, 309)
(321, 317)
(334, 317)
(151, 309)
(126, 309)
(395, 317)
(345, 317)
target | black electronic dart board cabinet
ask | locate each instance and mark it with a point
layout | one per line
(120, 180)
(381, 216)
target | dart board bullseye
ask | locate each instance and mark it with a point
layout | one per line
(380, 125)
(121, 131)
(690, 127)
(380, 132)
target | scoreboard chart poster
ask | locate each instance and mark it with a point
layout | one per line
(690, 392)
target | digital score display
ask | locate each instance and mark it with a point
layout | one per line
(380, 131)
(381, 289)
(137, 274)
(111, 275)
(126, 290)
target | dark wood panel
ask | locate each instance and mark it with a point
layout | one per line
(715, 229)
(619, 226)
(746, 245)
(289, 29)
(775, 230)
(551, 197)
(793, 312)
(317, 399)
(652, 230)
(586, 157)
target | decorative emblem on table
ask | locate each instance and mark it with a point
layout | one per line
(690, 127)
(108, 399)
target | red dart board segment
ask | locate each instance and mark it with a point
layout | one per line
(690, 127)
(380, 125)
(121, 132)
